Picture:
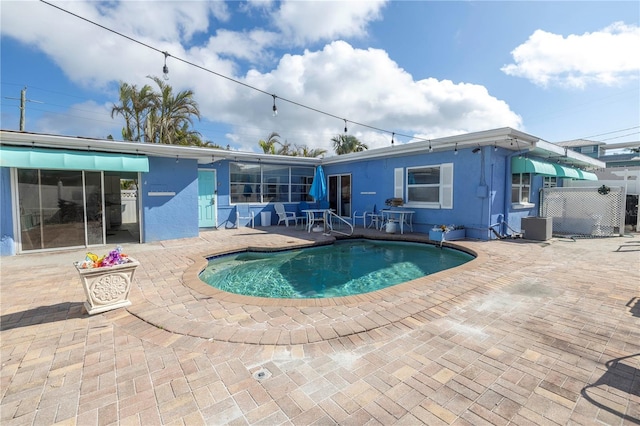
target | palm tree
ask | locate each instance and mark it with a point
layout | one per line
(171, 115)
(269, 146)
(134, 107)
(159, 117)
(344, 144)
(305, 151)
(184, 136)
(285, 149)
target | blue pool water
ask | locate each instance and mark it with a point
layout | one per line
(341, 269)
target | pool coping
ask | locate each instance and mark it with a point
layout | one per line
(266, 321)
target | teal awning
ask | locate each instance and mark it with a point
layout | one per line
(527, 165)
(58, 159)
(587, 175)
(566, 172)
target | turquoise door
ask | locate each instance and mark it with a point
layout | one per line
(206, 198)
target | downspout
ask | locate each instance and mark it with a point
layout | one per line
(507, 190)
(490, 217)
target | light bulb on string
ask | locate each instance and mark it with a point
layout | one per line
(165, 68)
(455, 151)
(430, 148)
(392, 141)
(345, 125)
(275, 108)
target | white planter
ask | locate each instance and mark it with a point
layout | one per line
(455, 234)
(107, 288)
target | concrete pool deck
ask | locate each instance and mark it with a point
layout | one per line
(528, 333)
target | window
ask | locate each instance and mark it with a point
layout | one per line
(256, 183)
(550, 181)
(520, 189)
(428, 186)
(301, 179)
(588, 149)
(246, 183)
(276, 180)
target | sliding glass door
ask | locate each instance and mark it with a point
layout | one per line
(340, 194)
(60, 208)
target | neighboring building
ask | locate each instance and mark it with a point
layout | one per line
(60, 192)
(602, 151)
(593, 149)
(622, 169)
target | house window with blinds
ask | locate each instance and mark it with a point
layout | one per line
(429, 186)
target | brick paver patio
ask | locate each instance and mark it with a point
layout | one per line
(528, 333)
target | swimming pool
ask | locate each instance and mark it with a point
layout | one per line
(341, 269)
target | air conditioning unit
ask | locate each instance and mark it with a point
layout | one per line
(536, 228)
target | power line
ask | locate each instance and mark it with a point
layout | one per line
(618, 137)
(615, 131)
(167, 54)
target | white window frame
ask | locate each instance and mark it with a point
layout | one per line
(445, 186)
(519, 204)
(266, 180)
(549, 181)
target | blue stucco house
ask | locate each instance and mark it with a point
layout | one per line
(61, 192)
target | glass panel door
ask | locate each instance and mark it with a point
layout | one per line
(94, 209)
(55, 205)
(340, 194)
(29, 205)
(61, 200)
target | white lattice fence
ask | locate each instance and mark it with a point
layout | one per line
(129, 205)
(588, 212)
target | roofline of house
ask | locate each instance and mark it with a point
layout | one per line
(621, 145)
(506, 138)
(579, 142)
(202, 154)
(569, 155)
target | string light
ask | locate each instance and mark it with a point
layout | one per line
(165, 68)
(165, 71)
(392, 135)
(455, 151)
(518, 145)
(495, 147)
(275, 108)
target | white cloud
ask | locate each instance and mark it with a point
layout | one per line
(363, 86)
(607, 57)
(250, 45)
(309, 21)
(360, 85)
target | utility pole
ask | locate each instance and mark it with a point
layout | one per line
(23, 106)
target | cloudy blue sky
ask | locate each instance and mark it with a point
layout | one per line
(559, 70)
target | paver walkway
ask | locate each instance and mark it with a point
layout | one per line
(528, 333)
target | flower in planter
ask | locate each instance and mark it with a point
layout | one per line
(447, 228)
(115, 257)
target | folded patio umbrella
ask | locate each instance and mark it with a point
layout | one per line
(318, 188)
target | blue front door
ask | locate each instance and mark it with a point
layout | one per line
(206, 198)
